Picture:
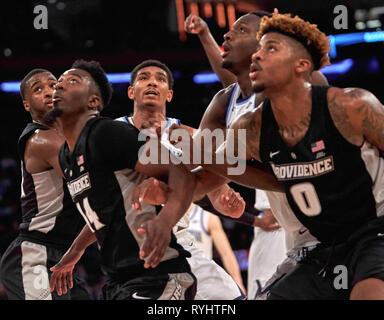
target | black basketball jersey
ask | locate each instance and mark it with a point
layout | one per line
(101, 177)
(49, 216)
(327, 181)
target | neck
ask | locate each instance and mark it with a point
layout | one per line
(245, 84)
(72, 125)
(140, 116)
(291, 103)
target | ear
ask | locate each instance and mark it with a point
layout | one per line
(169, 95)
(131, 92)
(303, 65)
(94, 101)
(26, 106)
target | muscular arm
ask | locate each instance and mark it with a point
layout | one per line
(41, 152)
(358, 115)
(195, 25)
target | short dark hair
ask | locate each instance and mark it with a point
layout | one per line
(29, 76)
(152, 63)
(261, 13)
(98, 75)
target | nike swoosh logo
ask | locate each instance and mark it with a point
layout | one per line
(136, 296)
(380, 234)
(303, 231)
(272, 154)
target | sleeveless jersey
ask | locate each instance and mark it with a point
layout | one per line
(183, 223)
(295, 237)
(49, 216)
(102, 193)
(198, 227)
(329, 182)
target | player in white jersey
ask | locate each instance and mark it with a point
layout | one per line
(232, 68)
(208, 233)
(151, 88)
(218, 285)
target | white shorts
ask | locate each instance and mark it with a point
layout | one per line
(267, 251)
(213, 282)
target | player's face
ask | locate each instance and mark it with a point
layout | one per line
(72, 91)
(273, 64)
(151, 88)
(38, 94)
(240, 42)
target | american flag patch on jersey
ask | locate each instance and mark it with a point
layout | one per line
(317, 146)
(80, 160)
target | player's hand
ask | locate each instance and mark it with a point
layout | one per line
(158, 237)
(150, 190)
(62, 271)
(228, 201)
(195, 25)
(267, 222)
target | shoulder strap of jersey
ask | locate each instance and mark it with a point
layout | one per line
(232, 100)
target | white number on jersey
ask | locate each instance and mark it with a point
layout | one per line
(89, 215)
(306, 198)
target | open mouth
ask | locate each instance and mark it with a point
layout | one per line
(151, 93)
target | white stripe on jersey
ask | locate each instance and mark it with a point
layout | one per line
(49, 196)
(375, 167)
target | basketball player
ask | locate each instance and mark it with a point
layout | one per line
(50, 220)
(100, 160)
(232, 68)
(208, 231)
(150, 89)
(325, 145)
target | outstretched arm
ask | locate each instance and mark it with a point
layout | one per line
(62, 271)
(224, 248)
(196, 25)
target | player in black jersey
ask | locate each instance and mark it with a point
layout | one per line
(324, 144)
(100, 159)
(50, 220)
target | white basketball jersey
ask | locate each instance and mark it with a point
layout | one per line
(198, 227)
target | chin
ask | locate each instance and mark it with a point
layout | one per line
(51, 116)
(258, 87)
(226, 64)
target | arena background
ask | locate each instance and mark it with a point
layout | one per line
(121, 35)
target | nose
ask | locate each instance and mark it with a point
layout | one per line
(227, 36)
(256, 56)
(58, 85)
(152, 82)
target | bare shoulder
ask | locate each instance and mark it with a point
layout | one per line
(353, 111)
(214, 116)
(44, 142)
(188, 128)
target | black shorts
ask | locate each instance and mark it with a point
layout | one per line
(172, 286)
(330, 273)
(25, 273)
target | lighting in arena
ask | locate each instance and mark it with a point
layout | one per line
(14, 86)
(353, 38)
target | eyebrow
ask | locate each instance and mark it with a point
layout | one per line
(75, 74)
(147, 73)
(272, 41)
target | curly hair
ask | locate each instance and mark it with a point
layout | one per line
(315, 41)
(98, 75)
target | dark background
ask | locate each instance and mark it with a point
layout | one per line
(122, 34)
